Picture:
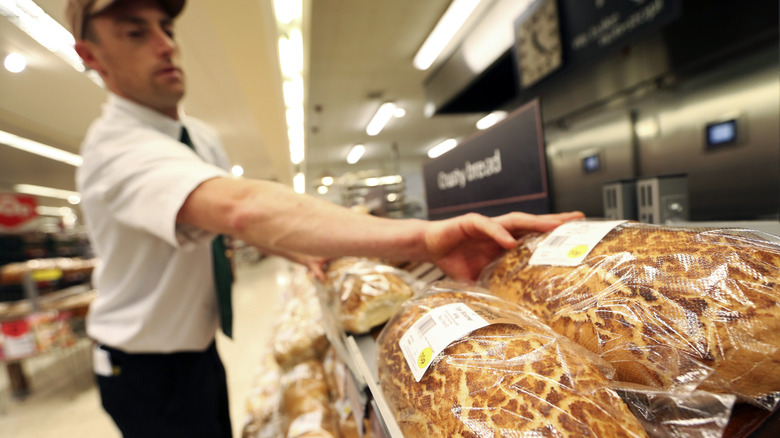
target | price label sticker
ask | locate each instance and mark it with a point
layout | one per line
(570, 243)
(432, 333)
(40, 275)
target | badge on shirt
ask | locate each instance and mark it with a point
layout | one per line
(101, 362)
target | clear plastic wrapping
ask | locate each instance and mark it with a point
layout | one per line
(300, 333)
(336, 376)
(673, 308)
(367, 292)
(680, 414)
(306, 401)
(515, 377)
(264, 399)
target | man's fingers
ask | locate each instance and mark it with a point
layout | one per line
(491, 229)
(519, 223)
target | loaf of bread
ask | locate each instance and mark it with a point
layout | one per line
(667, 307)
(367, 293)
(516, 378)
(73, 269)
(300, 332)
(265, 393)
(306, 401)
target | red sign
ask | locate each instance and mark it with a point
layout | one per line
(16, 209)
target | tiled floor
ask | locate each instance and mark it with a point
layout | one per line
(64, 402)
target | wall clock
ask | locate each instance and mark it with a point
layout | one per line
(538, 39)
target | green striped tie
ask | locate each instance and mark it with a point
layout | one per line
(223, 272)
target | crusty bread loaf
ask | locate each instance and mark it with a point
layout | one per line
(368, 292)
(518, 379)
(666, 306)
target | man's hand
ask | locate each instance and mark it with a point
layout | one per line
(464, 245)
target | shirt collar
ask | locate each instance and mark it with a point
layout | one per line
(153, 118)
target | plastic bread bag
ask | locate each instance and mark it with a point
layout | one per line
(306, 400)
(367, 292)
(666, 414)
(457, 362)
(675, 308)
(265, 393)
(299, 332)
(336, 376)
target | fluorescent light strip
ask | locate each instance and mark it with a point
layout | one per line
(43, 210)
(41, 149)
(297, 145)
(449, 24)
(356, 153)
(380, 119)
(48, 192)
(287, 10)
(490, 120)
(384, 180)
(299, 183)
(33, 21)
(442, 148)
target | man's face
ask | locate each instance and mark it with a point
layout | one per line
(136, 54)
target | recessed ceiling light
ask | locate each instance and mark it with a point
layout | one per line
(15, 63)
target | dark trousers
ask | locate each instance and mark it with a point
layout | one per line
(167, 395)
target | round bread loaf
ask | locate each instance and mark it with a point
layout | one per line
(667, 307)
(505, 379)
(368, 292)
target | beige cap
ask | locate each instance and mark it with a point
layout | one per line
(78, 10)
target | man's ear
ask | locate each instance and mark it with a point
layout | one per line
(86, 51)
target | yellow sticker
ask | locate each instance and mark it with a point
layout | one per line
(577, 251)
(425, 357)
(46, 274)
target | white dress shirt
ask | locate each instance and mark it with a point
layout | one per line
(155, 280)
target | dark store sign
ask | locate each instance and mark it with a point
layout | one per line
(492, 172)
(16, 209)
(592, 26)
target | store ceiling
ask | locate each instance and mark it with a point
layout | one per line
(359, 54)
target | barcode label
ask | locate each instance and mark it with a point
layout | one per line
(556, 240)
(570, 243)
(426, 324)
(433, 332)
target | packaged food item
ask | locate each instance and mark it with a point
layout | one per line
(337, 377)
(300, 333)
(265, 394)
(458, 362)
(668, 307)
(306, 401)
(366, 292)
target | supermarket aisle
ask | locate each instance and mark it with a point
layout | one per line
(73, 409)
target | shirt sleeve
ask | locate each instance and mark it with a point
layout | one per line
(143, 178)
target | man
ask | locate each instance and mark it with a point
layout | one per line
(153, 206)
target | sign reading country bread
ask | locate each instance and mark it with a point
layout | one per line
(496, 171)
(16, 210)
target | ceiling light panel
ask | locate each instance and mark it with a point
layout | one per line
(453, 19)
(383, 115)
(41, 149)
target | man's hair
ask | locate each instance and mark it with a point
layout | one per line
(89, 32)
